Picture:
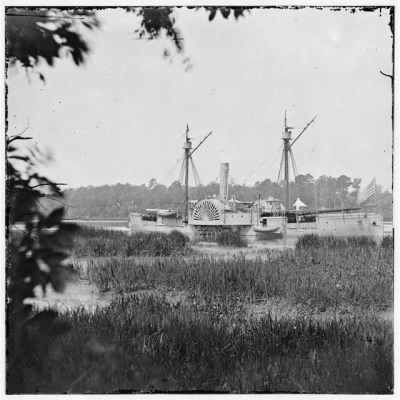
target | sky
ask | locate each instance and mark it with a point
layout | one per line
(122, 116)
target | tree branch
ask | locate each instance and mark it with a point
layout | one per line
(389, 76)
(48, 184)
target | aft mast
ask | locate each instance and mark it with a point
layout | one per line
(287, 150)
(287, 137)
(187, 147)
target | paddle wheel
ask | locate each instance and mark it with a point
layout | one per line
(207, 210)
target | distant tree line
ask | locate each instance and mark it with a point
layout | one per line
(117, 201)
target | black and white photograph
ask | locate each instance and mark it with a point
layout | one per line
(199, 199)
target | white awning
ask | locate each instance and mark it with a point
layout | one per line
(298, 204)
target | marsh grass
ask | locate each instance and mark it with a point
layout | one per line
(320, 277)
(145, 344)
(92, 242)
(387, 242)
(231, 239)
(333, 242)
(208, 342)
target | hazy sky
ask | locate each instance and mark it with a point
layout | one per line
(122, 116)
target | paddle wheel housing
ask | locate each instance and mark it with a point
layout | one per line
(208, 210)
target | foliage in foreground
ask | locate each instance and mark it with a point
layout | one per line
(104, 243)
(147, 345)
(35, 257)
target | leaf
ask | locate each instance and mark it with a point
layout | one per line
(40, 278)
(238, 12)
(47, 323)
(212, 14)
(54, 219)
(87, 25)
(51, 257)
(59, 327)
(60, 239)
(30, 42)
(18, 137)
(21, 158)
(225, 11)
(46, 316)
(21, 291)
(59, 277)
(69, 228)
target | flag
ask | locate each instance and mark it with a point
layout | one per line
(368, 192)
(187, 129)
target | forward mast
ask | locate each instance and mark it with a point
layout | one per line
(188, 158)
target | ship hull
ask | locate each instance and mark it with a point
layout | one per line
(341, 225)
(161, 224)
(267, 234)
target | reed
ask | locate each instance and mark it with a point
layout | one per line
(208, 341)
(231, 239)
(92, 242)
(333, 242)
(322, 278)
(146, 345)
(387, 242)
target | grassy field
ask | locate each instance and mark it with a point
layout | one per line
(330, 338)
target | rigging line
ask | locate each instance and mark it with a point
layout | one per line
(280, 168)
(293, 163)
(195, 173)
(74, 218)
(200, 189)
(304, 129)
(180, 181)
(172, 169)
(273, 160)
(43, 206)
(48, 196)
(315, 197)
(260, 165)
(294, 170)
(265, 160)
(60, 201)
(196, 178)
(205, 138)
(182, 173)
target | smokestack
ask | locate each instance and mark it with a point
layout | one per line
(223, 180)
